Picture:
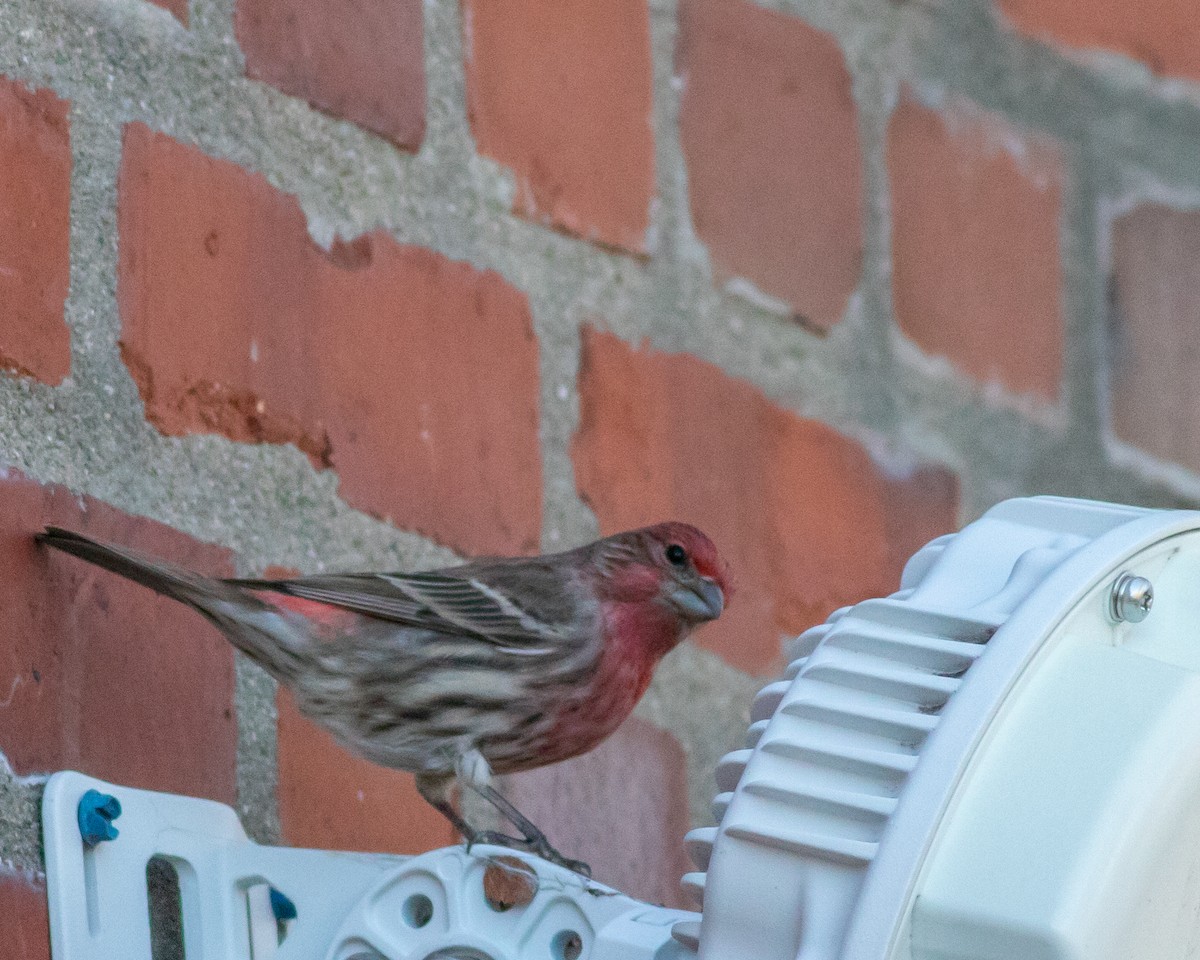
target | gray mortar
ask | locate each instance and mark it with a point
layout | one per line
(126, 60)
(20, 818)
(256, 769)
(706, 704)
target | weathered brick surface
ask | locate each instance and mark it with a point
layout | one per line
(414, 376)
(1163, 34)
(361, 61)
(561, 93)
(35, 202)
(1155, 353)
(976, 210)
(332, 800)
(24, 920)
(774, 165)
(178, 7)
(100, 674)
(622, 809)
(806, 519)
(959, 226)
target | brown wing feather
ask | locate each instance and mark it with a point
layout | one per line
(457, 605)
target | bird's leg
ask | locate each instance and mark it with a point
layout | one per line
(535, 841)
(446, 809)
(435, 789)
(473, 771)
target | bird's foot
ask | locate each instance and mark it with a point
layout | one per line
(537, 845)
(497, 839)
(575, 866)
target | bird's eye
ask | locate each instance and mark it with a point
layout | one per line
(677, 555)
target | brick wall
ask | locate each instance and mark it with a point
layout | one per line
(284, 286)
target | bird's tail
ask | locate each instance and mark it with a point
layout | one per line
(158, 575)
(253, 626)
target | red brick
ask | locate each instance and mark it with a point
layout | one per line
(24, 917)
(978, 277)
(102, 675)
(806, 519)
(332, 800)
(1155, 375)
(35, 211)
(177, 7)
(416, 377)
(774, 166)
(359, 60)
(561, 93)
(1163, 34)
(623, 809)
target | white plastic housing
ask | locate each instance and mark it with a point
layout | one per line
(350, 906)
(1075, 830)
(984, 766)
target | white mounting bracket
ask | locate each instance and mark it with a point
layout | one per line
(348, 906)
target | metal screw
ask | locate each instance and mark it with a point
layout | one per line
(1131, 598)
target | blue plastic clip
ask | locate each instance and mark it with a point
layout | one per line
(96, 814)
(282, 906)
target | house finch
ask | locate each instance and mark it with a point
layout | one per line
(498, 665)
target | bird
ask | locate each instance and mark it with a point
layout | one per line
(494, 666)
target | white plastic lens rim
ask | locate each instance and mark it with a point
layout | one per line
(884, 905)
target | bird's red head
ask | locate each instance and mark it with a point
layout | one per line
(699, 552)
(672, 562)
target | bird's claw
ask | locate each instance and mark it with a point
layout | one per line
(541, 846)
(538, 845)
(575, 866)
(497, 839)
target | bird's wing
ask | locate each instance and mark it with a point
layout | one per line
(453, 604)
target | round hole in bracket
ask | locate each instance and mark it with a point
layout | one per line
(566, 945)
(417, 910)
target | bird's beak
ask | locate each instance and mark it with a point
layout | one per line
(704, 601)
